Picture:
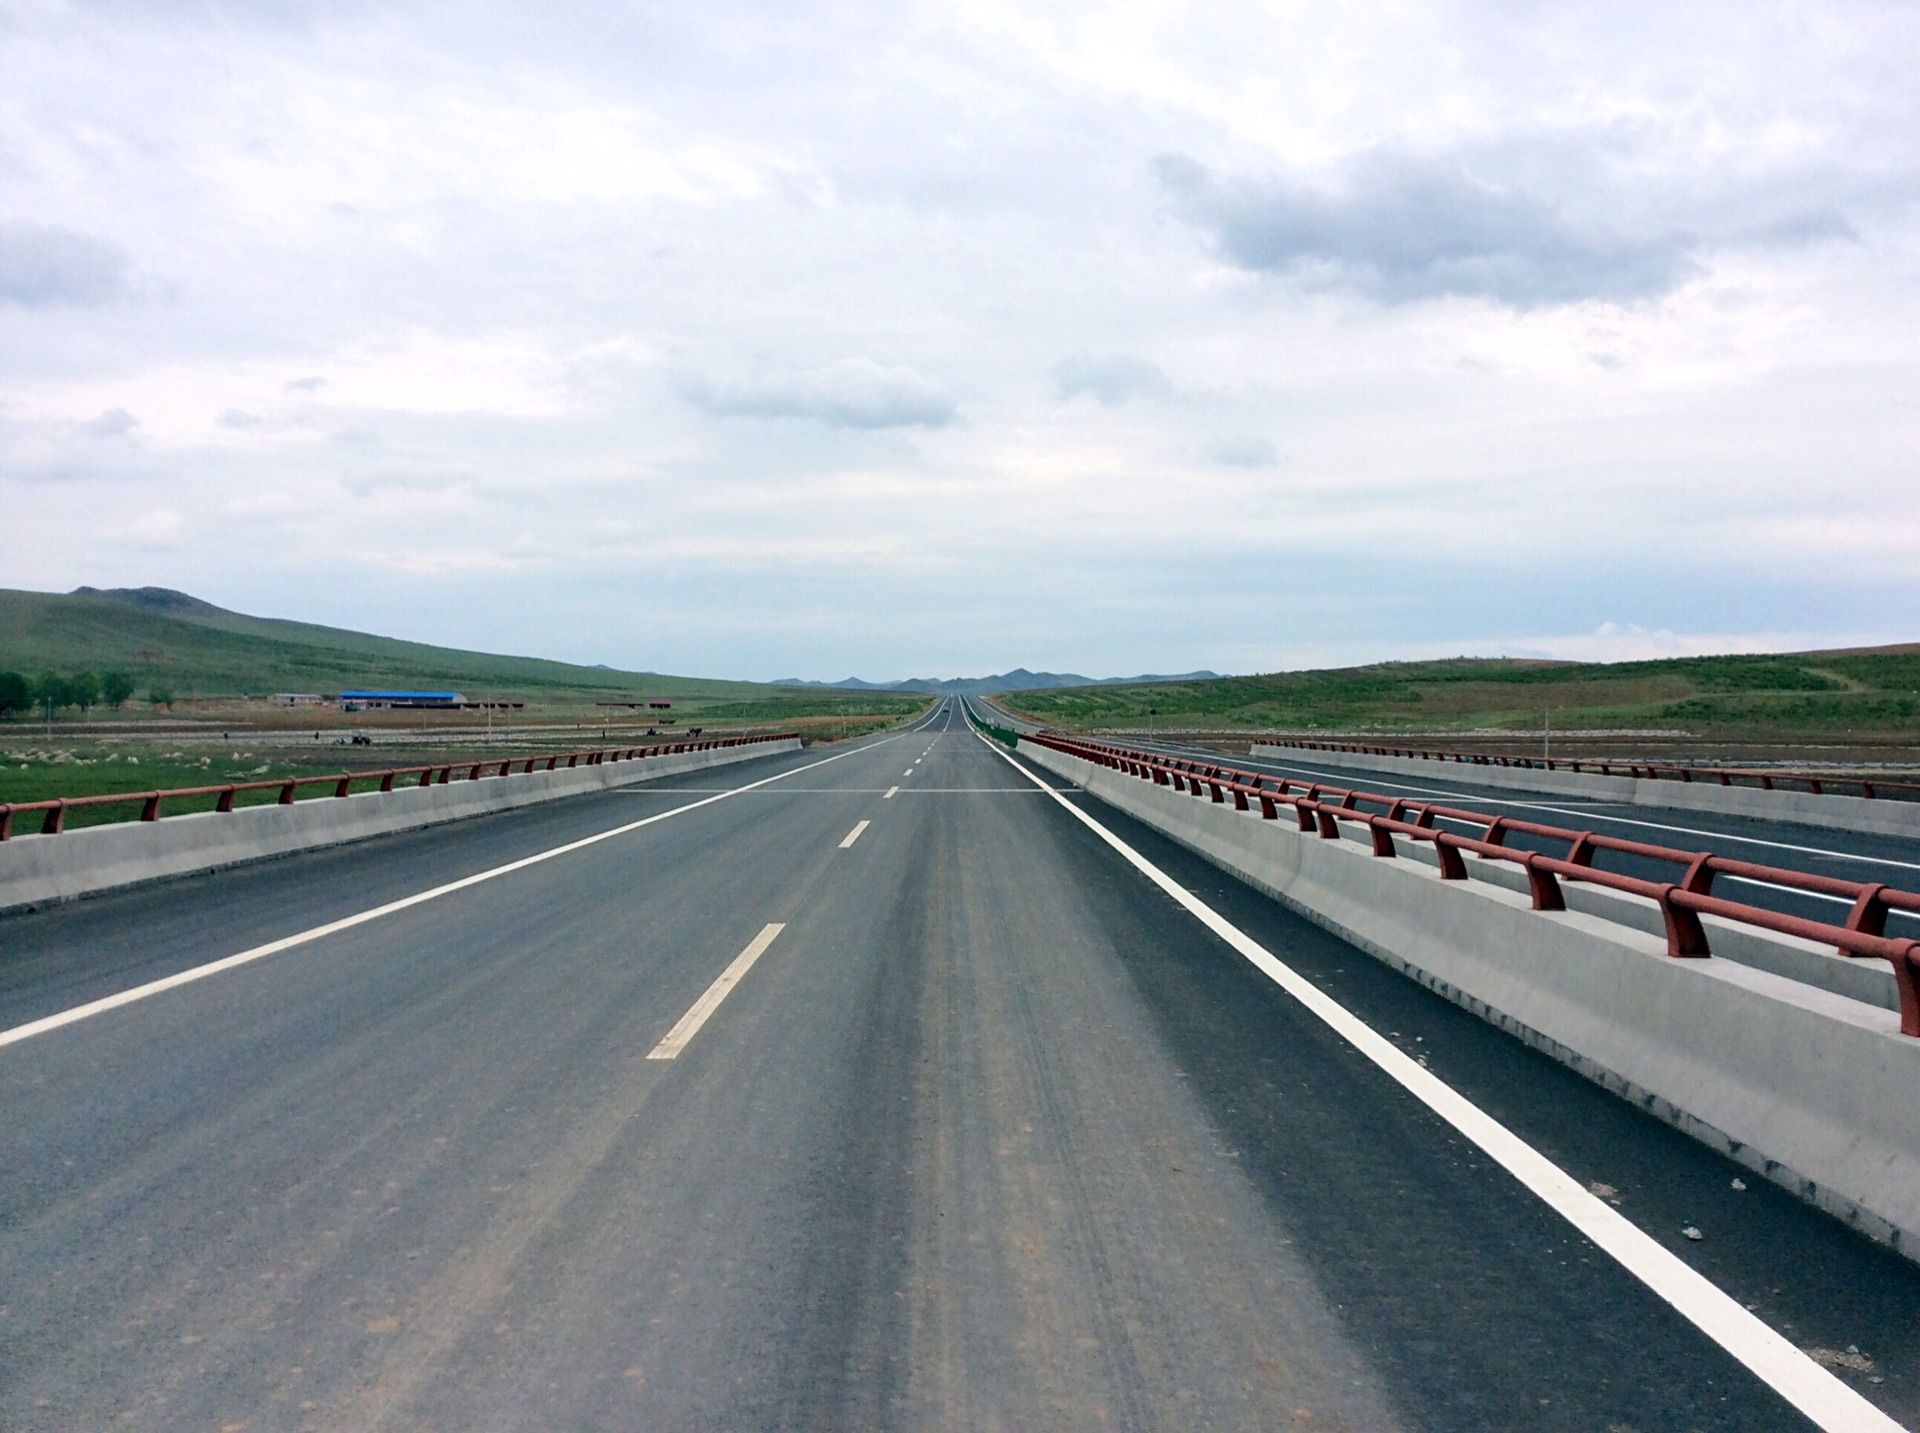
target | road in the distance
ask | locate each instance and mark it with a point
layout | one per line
(973, 1127)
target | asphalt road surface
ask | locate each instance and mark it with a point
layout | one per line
(865, 1087)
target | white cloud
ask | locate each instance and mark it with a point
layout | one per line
(851, 393)
(1110, 379)
(1244, 453)
(44, 265)
(161, 530)
(113, 423)
(1402, 227)
(1582, 313)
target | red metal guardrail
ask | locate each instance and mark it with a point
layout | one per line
(150, 802)
(1817, 783)
(1322, 809)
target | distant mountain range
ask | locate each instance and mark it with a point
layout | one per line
(1018, 680)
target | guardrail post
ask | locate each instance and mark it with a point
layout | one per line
(1382, 837)
(150, 807)
(286, 794)
(386, 780)
(1453, 866)
(1545, 890)
(6, 823)
(1239, 799)
(1329, 826)
(1869, 913)
(1906, 976)
(56, 821)
(340, 787)
(1686, 937)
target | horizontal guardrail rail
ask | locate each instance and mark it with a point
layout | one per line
(1815, 783)
(54, 809)
(1322, 809)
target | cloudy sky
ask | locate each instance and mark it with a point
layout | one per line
(887, 339)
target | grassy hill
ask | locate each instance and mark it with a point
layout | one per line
(1811, 694)
(163, 638)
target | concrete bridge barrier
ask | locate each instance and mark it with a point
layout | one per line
(42, 870)
(1803, 1084)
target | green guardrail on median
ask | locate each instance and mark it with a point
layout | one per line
(1005, 735)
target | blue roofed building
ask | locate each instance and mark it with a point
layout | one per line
(381, 697)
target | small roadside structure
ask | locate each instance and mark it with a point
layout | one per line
(369, 697)
(298, 699)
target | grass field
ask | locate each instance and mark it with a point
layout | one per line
(1858, 696)
(35, 769)
(220, 666)
(35, 773)
(207, 655)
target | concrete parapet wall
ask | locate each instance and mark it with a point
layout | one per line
(42, 870)
(1839, 813)
(1802, 1084)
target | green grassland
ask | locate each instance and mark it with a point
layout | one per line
(168, 640)
(37, 775)
(1806, 695)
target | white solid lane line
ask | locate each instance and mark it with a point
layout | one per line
(689, 1024)
(854, 834)
(1771, 1358)
(306, 937)
(890, 792)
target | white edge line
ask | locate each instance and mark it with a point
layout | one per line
(854, 834)
(274, 947)
(1768, 1356)
(689, 1024)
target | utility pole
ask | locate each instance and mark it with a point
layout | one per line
(1548, 749)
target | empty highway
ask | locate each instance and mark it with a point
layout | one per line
(863, 1087)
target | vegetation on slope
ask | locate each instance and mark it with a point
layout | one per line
(1813, 693)
(170, 642)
